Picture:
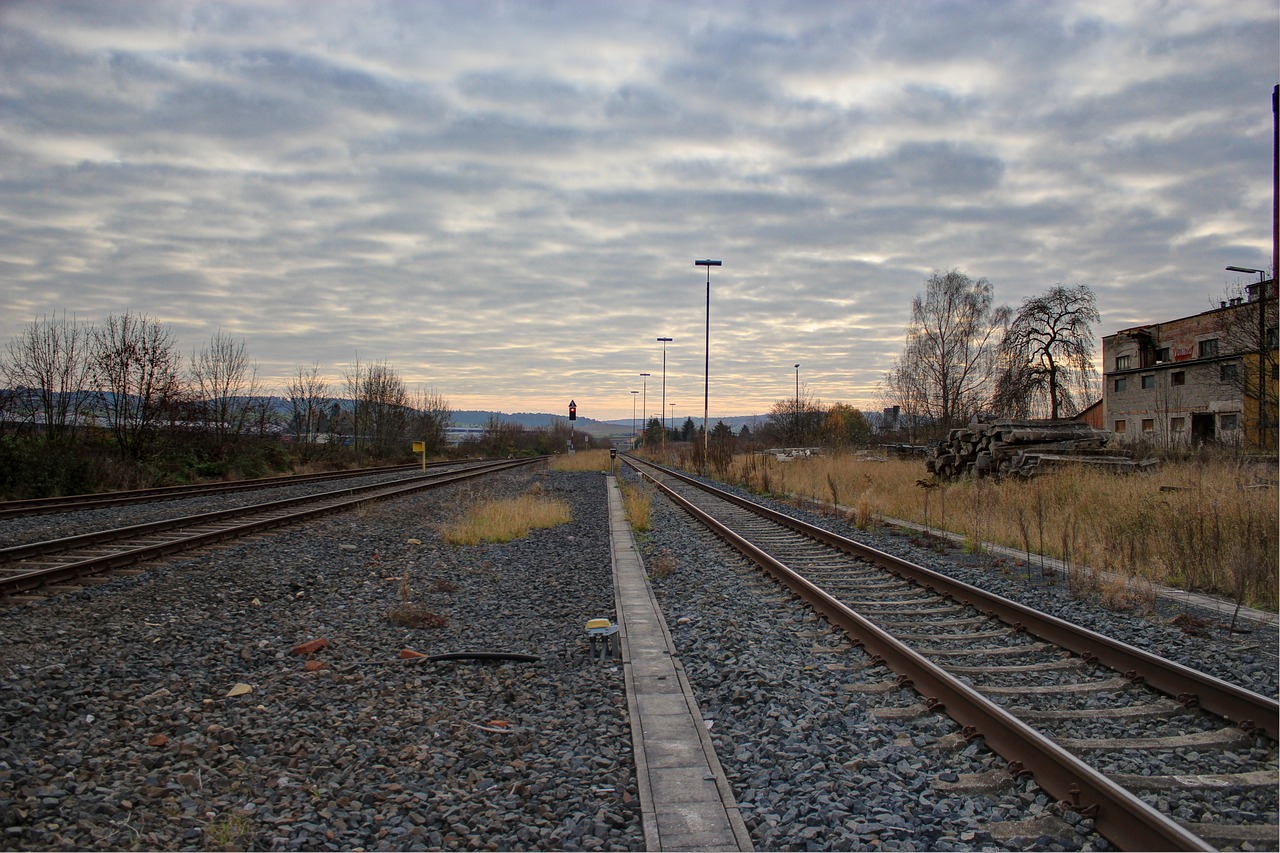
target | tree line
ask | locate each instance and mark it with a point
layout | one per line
(964, 355)
(123, 386)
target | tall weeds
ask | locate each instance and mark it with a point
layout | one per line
(1201, 524)
(637, 500)
(583, 460)
(505, 520)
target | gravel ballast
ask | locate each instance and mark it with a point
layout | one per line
(119, 731)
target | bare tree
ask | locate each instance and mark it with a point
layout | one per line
(46, 365)
(1248, 329)
(796, 421)
(226, 387)
(1046, 355)
(136, 376)
(380, 406)
(430, 419)
(501, 438)
(309, 397)
(948, 364)
(902, 389)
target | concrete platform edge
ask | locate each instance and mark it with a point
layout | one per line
(623, 547)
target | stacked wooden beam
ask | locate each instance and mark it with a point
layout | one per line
(1009, 448)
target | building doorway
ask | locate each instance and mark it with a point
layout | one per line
(1202, 428)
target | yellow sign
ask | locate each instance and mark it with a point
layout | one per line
(419, 447)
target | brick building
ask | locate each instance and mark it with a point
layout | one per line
(1195, 379)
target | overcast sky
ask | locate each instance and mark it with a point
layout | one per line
(504, 201)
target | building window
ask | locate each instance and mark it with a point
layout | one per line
(1121, 383)
(1119, 428)
(1162, 354)
(1271, 338)
(1178, 377)
(1230, 422)
(1148, 424)
(1177, 424)
(1230, 372)
(1148, 382)
(1209, 348)
(1123, 362)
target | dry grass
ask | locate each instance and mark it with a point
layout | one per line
(662, 564)
(1210, 529)
(231, 831)
(637, 499)
(583, 460)
(412, 614)
(505, 520)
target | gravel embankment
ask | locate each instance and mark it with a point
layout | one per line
(814, 770)
(118, 731)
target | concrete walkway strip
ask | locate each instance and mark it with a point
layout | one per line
(685, 799)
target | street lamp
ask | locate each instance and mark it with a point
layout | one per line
(644, 401)
(706, 367)
(798, 441)
(1262, 347)
(663, 410)
(633, 417)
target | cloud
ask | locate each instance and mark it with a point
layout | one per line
(504, 201)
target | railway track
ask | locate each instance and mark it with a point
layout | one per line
(73, 503)
(1034, 687)
(53, 565)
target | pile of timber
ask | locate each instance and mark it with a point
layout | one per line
(1008, 448)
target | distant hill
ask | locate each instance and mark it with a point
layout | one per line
(537, 420)
(734, 422)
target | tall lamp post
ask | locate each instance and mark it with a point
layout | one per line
(663, 410)
(1262, 349)
(644, 401)
(706, 367)
(633, 417)
(798, 441)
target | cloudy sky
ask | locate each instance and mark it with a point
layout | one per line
(504, 200)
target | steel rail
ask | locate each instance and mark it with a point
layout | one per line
(55, 574)
(69, 503)
(1119, 815)
(49, 546)
(1251, 711)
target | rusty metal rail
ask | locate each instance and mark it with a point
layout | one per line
(208, 528)
(71, 503)
(1119, 815)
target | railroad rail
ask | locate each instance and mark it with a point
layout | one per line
(72, 503)
(35, 565)
(924, 626)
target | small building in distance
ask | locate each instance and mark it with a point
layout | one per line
(1196, 379)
